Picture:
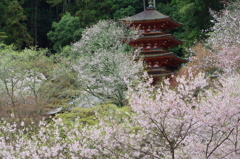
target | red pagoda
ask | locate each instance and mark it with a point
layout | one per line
(154, 41)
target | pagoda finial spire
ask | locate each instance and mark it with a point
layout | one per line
(151, 4)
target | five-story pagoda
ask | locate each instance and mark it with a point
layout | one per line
(154, 42)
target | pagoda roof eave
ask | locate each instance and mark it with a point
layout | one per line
(161, 75)
(138, 22)
(158, 37)
(152, 51)
(179, 59)
(165, 56)
(155, 55)
(146, 15)
(149, 16)
(154, 36)
(176, 23)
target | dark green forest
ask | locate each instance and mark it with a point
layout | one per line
(54, 24)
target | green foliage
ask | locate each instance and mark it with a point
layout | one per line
(90, 12)
(90, 116)
(2, 36)
(12, 24)
(195, 17)
(123, 12)
(67, 30)
(31, 82)
(66, 51)
(39, 15)
(55, 2)
(18, 76)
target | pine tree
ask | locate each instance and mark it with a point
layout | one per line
(14, 26)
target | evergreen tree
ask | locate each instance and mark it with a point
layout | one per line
(90, 12)
(194, 14)
(2, 36)
(13, 24)
(67, 30)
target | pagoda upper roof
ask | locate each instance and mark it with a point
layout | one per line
(148, 14)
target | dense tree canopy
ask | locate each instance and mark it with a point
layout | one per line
(13, 25)
(67, 30)
(33, 19)
(194, 14)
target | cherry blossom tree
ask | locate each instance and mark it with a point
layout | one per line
(190, 121)
(224, 39)
(198, 118)
(221, 51)
(104, 61)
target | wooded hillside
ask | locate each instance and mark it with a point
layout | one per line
(43, 23)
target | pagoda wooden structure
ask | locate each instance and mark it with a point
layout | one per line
(155, 41)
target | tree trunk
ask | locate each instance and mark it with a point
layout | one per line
(32, 19)
(172, 153)
(35, 22)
